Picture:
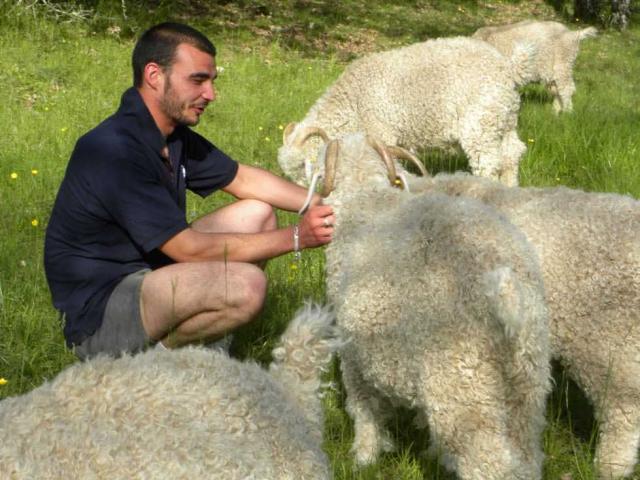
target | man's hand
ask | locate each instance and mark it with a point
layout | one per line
(316, 226)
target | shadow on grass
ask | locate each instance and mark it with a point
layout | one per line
(437, 160)
(570, 406)
(535, 93)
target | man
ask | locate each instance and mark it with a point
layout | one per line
(123, 265)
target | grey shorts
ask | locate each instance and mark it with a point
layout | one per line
(121, 329)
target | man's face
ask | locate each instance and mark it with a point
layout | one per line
(188, 86)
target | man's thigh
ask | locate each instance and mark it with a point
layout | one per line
(220, 292)
(243, 216)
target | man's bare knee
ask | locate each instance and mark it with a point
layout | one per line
(243, 216)
(249, 296)
(264, 214)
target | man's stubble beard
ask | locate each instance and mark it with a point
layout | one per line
(173, 108)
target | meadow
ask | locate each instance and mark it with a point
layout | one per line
(63, 67)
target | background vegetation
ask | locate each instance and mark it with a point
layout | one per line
(64, 65)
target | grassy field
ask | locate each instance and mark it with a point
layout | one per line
(63, 68)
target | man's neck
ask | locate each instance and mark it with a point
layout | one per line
(165, 126)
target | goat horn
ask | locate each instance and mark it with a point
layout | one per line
(330, 164)
(386, 158)
(309, 132)
(399, 152)
(287, 131)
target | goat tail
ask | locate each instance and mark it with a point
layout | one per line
(307, 346)
(507, 299)
(523, 62)
(586, 33)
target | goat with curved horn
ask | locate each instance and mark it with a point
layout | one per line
(387, 240)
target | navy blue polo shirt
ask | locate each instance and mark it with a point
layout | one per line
(118, 202)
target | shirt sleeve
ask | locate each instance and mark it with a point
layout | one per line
(207, 167)
(135, 191)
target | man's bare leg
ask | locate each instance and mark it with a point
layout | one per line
(198, 302)
(201, 301)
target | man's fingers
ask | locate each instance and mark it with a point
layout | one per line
(328, 221)
(322, 210)
(317, 225)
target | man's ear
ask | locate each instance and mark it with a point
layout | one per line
(153, 76)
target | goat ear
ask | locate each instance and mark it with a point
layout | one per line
(288, 130)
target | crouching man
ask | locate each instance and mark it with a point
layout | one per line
(124, 266)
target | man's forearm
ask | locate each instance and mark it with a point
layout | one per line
(315, 228)
(193, 246)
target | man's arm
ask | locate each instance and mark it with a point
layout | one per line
(193, 246)
(260, 184)
(315, 227)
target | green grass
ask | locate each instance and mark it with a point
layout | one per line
(64, 75)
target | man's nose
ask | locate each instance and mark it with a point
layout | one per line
(209, 93)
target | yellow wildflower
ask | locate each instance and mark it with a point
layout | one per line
(34, 222)
(3, 381)
(260, 128)
(530, 140)
(267, 139)
(13, 175)
(280, 127)
(34, 171)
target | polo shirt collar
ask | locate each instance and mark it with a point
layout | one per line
(131, 105)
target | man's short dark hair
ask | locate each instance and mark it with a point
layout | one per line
(159, 43)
